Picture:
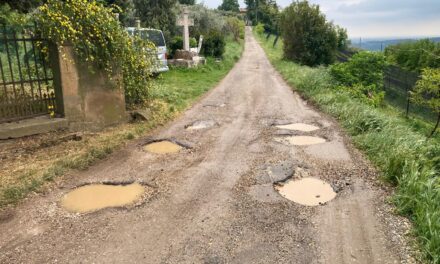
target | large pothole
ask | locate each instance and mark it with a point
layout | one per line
(307, 191)
(95, 197)
(301, 140)
(163, 147)
(298, 127)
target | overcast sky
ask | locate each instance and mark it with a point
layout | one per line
(378, 18)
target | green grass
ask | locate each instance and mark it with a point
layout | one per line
(179, 87)
(174, 92)
(397, 146)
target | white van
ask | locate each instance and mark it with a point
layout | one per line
(157, 38)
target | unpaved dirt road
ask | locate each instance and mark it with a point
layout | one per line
(215, 202)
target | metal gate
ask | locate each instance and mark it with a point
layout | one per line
(26, 81)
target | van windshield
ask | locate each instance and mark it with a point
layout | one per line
(154, 36)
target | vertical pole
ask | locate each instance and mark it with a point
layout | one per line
(185, 29)
(54, 57)
(28, 67)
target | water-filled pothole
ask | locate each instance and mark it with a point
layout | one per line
(307, 191)
(301, 140)
(201, 125)
(162, 147)
(94, 197)
(298, 127)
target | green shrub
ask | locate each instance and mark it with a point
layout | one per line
(214, 45)
(308, 38)
(414, 56)
(362, 76)
(11, 17)
(427, 92)
(99, 40)
(259, 29)
(236, 27)
(205, 20)
(177, 44)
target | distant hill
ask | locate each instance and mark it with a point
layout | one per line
(381, 44)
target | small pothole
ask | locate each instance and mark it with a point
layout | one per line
(301, 140)
(298, 127)
(307, 191)
(203, 124)
(93, 197)
(163, 147)
(221, 105)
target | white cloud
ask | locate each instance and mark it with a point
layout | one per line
(377, 18)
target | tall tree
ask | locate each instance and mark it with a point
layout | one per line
(263, 11)
(308, 37)
(23, 6)
(160, 14)
(230, 5)
(187, 2)
(127, 9)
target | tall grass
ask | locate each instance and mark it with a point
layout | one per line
(404, 155)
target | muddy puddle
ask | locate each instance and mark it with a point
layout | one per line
(94, 197)
(163, 147)
(307, 191)
(299, 127)
(301, 140)
(201, 125)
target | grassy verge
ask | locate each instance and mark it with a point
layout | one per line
(404, 155)
(174, 92)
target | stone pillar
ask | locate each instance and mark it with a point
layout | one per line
(90, 99)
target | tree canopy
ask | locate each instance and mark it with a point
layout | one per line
(187, 2)
(263, 11)
(230, 5)
(22, 6)
(415, 56)
(427, 92)
(158, 14)
(308, 37)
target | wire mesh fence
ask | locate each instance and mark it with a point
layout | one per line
(398, 84)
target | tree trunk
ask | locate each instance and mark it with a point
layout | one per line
(436, 125)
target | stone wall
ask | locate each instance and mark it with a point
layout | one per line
(88, 99)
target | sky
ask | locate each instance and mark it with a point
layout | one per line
(377, 18)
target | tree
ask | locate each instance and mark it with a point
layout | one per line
(187, 2)
(342, 36)
(205, 20)
(263, 11)
(362, 76)
(308, 38)
(23, 6)
(427, 92)
(415, 56)
(230, 5)
(126, 15)
(158, 14)
(236, 27)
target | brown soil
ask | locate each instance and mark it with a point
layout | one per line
(215, 202)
